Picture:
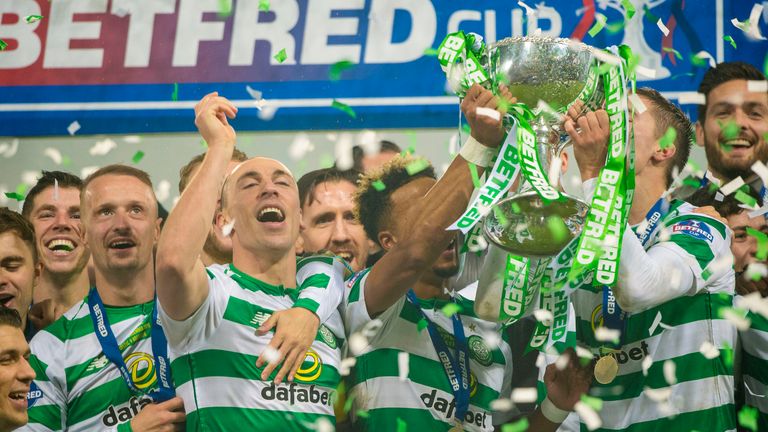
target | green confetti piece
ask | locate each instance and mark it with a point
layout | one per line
(344, 108)
(264, 5)
(750, 201)
(593, 402)
(728, 356)
(748, 418)
(421, 325)
(225, 8)
(66, 161)
(379, 185)
(647, 14)
(417, 166)
(687, 74)
(615, 27)
(362, 413)
(765, 65)
(465, 129)
(335, 72)
(706, 274)
(761, 237)
(450, 309)
(3, 45)
(138, 156)
(32, 18)
(673, 51)
(430, 52)
(515, 208)
(281, 56)
(348, 403)
(730, 40)
(668, 140)
(500, 216)
(730, 130)
(557, 228)
(402, 426)
(15, 196)
(518, 426)
(473, 172)
(175, 94)
(699, 61)
(600, 20)
(629, 7)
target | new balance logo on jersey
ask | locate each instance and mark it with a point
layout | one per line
(694, 229)
(97, 363)
(447, 408)
(115, 416)
(259, 318)
(293, 393)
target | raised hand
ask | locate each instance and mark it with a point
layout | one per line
(487, 130)
(589, 132)
(565, 387)
(211, 115)
(295, 331)
(165, 416)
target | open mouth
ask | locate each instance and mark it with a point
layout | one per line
(6, 299)
(736, 143)
(19, 398)
(270, 214)
(61, 246)
(122, 244)
(346, 256)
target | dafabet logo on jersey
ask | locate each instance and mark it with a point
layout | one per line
(292, 393)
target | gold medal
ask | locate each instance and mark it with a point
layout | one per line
(606, 369)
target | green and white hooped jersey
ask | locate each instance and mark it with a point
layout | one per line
(702, 397)
(423, 400)
(754, 366)
(77, 388)
(214, 352)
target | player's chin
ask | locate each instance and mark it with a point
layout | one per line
(446, 268)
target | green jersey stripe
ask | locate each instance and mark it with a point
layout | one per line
(719, 226)
(720, 418)
(250, 419)
(46, 415)
(700, 249)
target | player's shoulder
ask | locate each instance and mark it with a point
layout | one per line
(355, 283)
(74, 323)
(683, 219)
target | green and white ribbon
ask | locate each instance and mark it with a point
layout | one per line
(533, 172)
(600, 240)
(462, 50)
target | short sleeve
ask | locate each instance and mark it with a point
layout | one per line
(46, 399)
(320, 280)
(355, 311)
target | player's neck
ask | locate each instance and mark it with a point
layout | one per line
(63, 290)
(648, 190)
(274, 270)
(126, 288)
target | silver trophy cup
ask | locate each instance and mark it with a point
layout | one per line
(555, 71)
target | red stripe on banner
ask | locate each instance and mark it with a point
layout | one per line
(586, 20)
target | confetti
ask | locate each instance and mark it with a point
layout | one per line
(175, 94)
(629, 7)
(647, 363)
(137, 157)
(754, 302)
(451, 309)
(752, 392)
(264, 5)
(323, 425)
(344, 108)
(430, 52)
(281, 56)
(15, 196)
(557, 228)
(337, 68)
(659, 394)
(748, 417)
(518, 426)
(699, 57)
(646, 72)
(9, 150)
(226, 230)
(673, 51)
(755, 86)
(3, 45)
(488, 112)
(357, 343)
(528, 10)
(759, 212)
(163, 190)
(662, 27)
(600, 21)
(300, 146)
(346, 366)
(732, 186)
(402, 365)
(502, 404)
(402, 426)
(708, 350)
(417, 166)
(73, 127)
(270, 354)
(225, 8)
(588, 415)
(422, 324)
(670, 372)
(593, 402)
(604, 334)
(524, 395)
(730, 40)
(54, 154)
(746, 199)
(473, 173)
(668, 140)
(737, 318)
(102, 147)
(33, 18)
(378, 185)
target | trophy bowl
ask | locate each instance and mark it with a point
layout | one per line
(558, 72)
(527, 231)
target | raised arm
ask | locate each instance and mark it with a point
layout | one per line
(396, 272)
(182, 284)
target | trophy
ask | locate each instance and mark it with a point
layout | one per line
(557, 72)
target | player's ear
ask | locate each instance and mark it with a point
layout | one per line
(387, 240)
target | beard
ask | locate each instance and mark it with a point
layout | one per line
(718, 160)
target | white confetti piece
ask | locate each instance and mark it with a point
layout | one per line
(752, 392)
(55, 190)
(705, 55)
(719, 197)
(9, 150)
(588, 415)
(528, 10)
(492, 339)
(604, 334)
(372, 328)
(708, 350)
(30, 177)
(502, 405)
(346, 365)
(524, 395)
(658, 395)
(662, 27)
(255, 94)
(584, 353)
(756, 270)
(691, 98)
(342, 151)
(737, 319)
(132, 139)
(300, 146)
(732, 186)
(754, 22)
(323, 425)
(753, 302)
(102, 147)
(86, 171)
(646, 71)
(758, 212)
(267, 112)
(73, 127)
(488, 112)
(543, 107)
(226, 230)
(270, 354)
(163, 190)
(543, 316)
(637, 103)
(562, 361)
(757, 86)
(402, 365)
(646, 364)
(357, 343)
(454, 76)
(480, 246)
(604, 56)
(54, 154)
(670, 372)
